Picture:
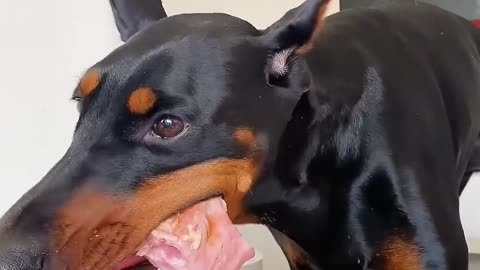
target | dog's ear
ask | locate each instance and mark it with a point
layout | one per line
(293, 35)
(131, 16)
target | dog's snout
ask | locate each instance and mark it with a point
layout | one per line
(22, 243)
(26, 229)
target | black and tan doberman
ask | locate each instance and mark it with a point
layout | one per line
(351, 137)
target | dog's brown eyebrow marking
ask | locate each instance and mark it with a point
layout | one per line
(142, 101)
(90, 82)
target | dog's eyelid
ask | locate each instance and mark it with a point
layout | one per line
(152, 139)
(76, 95)
(144, 128)
(76, 98)
(184, 112)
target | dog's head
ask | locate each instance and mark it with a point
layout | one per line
(190, 107)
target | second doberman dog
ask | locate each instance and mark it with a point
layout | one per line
(351, 137)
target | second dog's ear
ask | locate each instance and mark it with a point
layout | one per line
(293, 35)
(132, 16)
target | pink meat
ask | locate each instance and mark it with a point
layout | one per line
(200, 238)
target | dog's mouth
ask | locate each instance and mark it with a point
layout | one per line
(125, 233)
(201, 237)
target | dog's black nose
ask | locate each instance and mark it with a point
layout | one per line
(27, 229)
(23, 241)
(21, 254)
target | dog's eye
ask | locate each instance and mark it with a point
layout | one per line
(169, 126)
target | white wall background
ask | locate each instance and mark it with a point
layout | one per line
(45, 46)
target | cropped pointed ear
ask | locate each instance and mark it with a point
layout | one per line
(295, 34)
(132, 16)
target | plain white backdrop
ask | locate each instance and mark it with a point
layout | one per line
(45, 46)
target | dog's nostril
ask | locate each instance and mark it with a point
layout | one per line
(22, 255)
(42, 262)
(14, 260)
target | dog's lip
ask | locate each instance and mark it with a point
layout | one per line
(133, 262)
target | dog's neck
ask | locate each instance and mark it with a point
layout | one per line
(292, 198)
(319, 156)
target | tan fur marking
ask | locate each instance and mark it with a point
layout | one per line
(246, 138)
(400, 254)
(141, 101)
(90, 82)
(94, 225)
